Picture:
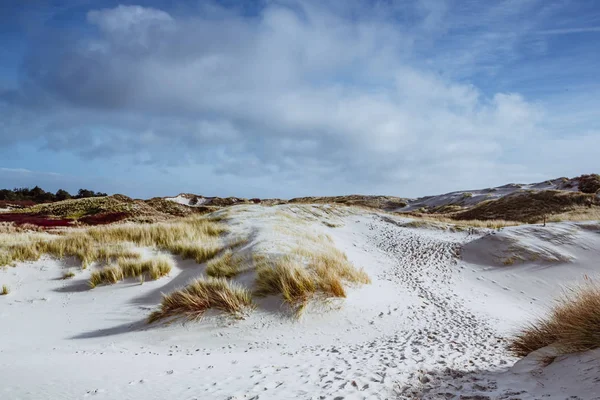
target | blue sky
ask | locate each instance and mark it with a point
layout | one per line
(289, 98)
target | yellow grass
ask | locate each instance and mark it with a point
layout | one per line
(287, 277)
(68, 275)
(127, 268)
(193, 237)
(200, 251)
(491, 224)
(110, 275)
(191, 302)
(154, 268)
(227, 265)
(580, 214)
(307, 273)
(572, 326)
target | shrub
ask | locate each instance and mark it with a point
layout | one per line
(5, 290)
(572, 326)
(193, 301)
(589, 183)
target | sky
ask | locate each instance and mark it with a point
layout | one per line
(293, 98)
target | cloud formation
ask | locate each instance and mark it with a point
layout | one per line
(335, 99)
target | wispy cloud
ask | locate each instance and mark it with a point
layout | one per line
(561, 31)
(27, 171)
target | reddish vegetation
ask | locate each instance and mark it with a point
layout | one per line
(104, 218)
(33, 219)
(48, 222)
(18, 203)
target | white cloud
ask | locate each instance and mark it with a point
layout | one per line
(298, 89)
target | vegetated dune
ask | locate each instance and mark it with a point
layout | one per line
(386, 203)
(511, 202)
(294, 301)
(530, 206)
(196, 201)
(98, 211)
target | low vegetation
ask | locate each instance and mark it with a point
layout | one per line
(529, 207)
(191, 302)
(126, 268)
(589, 183)
(5, 290)
(428, 219)
(99, 211)
(307, 274)
(194, 237)
(68, 275)
(227, 265)
(377, 202)
(572, 326)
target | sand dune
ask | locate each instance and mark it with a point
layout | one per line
(432, 324)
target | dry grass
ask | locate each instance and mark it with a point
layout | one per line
(572, 326)
(471, 223)
(579, 214)
(306, 274)
(193, 237)
(227, 265)
(68, 275)
(191, 302)
(5, 290)
(108, 275)
(154, 268)
(128, 268)
(377, 202)
(287, 277)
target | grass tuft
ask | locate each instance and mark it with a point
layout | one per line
(305, 274)
(572, 326)
(5, 290)
(287, 277)
(128, 268)
(227, 265)
(68, 275)
(191, 302)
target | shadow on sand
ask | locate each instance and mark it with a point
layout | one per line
(80, 285)
(115, 330)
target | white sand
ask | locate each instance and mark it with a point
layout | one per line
(185, 200)
(430, 325)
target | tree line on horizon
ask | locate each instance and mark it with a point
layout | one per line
(39, 195)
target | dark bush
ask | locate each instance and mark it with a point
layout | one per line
(589, 183)
(38, 195)
(62, 195)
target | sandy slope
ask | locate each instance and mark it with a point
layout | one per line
(429, 326)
